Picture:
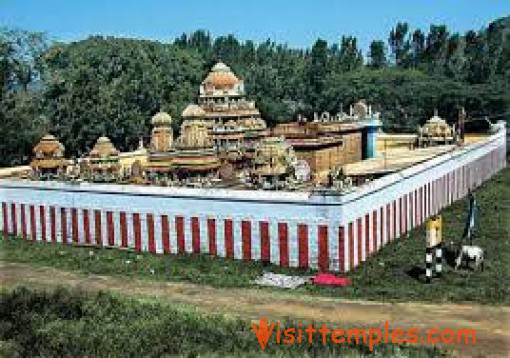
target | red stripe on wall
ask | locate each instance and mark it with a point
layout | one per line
(265, 245)
(401, 215)
(4, 215)
(123, 229)
(389, 225)
(374, 231)
(229, 240)
(429, 199)
(74, 225)
(110, 228)
(411, 211)
(394, 219)
(195, 235)
(33, 230)
(351, 245)
(447, 183)
(341, 248)
(42, 218)
(416, 209)
(283, 240)
(302, 231)
(53, 223)
(367, 235)
(137, 231)
(165, 234)
(23, 221)
(98, 228)
(246, 238)
(420, 206)
(86, 226)
(14, 219)
(179, 228)
(360, 240)
(382, 226)
(323, 248)
(211, 232)
(405, 213)
(150, 233)
(63, 226)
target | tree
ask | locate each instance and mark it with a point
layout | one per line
(377, 54)
(417, 48)
(399, 44)
(350, 57)
(317, 71)
(21, 120)
(437, 48)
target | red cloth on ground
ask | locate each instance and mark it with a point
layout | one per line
(328, 279)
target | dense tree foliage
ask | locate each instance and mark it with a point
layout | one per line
(110, 86)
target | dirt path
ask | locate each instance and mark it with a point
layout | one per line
(491, 324)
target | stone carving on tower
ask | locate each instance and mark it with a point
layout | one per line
(234, 123)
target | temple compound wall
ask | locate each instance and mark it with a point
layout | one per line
(297, 229)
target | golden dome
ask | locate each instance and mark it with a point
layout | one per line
(104, 148)
(49, 145)
(49, 154)
(161, 118)
(221, 76)
(193, 111)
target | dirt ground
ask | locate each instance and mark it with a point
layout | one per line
(492, 324)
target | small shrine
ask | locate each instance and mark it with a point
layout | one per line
(194, 153)
(104, 161)
(273, 161)
(161, 149)
(435, 132)
(49, 161)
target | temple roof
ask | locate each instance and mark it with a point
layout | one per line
(221, 76)
(49, 144)
(161, 118)
(193, 111)
(104, 148)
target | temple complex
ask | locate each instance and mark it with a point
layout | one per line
(224, 142)
(104, 161)
(49, 161)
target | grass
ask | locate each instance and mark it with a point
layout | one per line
(74, 324)
(393, 274)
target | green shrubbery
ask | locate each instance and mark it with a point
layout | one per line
(72, 324)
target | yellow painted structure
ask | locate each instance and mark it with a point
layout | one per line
(434, 231)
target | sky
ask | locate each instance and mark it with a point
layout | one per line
(295, 22)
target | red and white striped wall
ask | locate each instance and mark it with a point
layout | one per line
(285, 243)
(335, 235)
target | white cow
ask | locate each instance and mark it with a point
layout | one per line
(470, 253)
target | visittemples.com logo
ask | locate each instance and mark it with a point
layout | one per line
(264, 331)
